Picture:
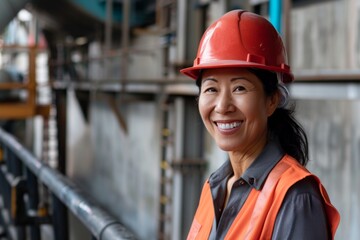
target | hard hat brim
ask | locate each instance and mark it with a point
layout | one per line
(193, 72)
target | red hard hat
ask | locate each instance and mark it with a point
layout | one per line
(241, 39)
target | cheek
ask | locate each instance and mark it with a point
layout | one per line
(255, 109)
(204, 106)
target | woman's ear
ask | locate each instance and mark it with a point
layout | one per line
(273, 103)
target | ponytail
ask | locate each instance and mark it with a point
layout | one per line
(291, 136)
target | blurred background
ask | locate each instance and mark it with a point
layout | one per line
(101, 134)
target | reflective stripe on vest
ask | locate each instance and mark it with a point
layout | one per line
(257, 217)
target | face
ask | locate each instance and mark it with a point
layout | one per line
(234, 108)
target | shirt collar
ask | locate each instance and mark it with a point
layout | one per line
(258, 171)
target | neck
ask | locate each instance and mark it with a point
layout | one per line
(241, 160)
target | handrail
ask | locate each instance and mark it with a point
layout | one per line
(98, 221)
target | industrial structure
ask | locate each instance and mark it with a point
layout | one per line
(101, 136)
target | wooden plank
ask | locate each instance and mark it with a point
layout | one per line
(16, 110)
(12, 86)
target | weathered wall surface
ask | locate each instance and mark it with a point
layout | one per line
(319, 37)
(121, 171)
(325, 36)
(334, 140)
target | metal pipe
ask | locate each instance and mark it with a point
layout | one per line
(181, 31)
(275, 13)
(287, 27)
(178, 178)
(102, 225)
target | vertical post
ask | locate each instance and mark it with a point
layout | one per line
(15, 165)
(178, 178)
(33, 202)
(61, 116)
(125, 41)
(352, 23)
(192, 179)
(125, 24)
(31, 85)
(108, 25)
(60, 215)
(108, 37)
(181, 31)
(20, 233)
(31, 180)
(17, 171)
(60, 57)
(163, 168)
(287, 27)
(275, 13)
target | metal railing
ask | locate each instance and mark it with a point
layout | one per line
(99, 222)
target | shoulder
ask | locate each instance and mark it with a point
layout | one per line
(308, 185)
(304, 211)
(302, 181)
(299, 180)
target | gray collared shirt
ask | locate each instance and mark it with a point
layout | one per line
(301, 216)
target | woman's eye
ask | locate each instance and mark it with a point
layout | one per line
(239, 89)
(210, 90)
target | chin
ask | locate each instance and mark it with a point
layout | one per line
(228, 147)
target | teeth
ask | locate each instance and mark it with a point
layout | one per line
(228, 125)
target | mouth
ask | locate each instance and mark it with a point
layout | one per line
(228, 125)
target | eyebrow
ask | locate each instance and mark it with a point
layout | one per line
(231, 80)
(209, 79)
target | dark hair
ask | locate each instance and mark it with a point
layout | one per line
(282, 124)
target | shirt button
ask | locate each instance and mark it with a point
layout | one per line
(241, 182)
(251, 181)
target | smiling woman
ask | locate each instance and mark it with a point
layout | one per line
(264, 190)
(234, 108)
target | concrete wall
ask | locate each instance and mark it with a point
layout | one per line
(319, 36)
(119, 170)
(325, 35)
(334, 140)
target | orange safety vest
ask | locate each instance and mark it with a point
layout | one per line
(257, 217)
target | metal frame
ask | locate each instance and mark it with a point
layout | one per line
(100, 223)
(28, 108)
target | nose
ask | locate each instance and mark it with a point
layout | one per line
(224, 103)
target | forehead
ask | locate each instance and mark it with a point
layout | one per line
(229, 73)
